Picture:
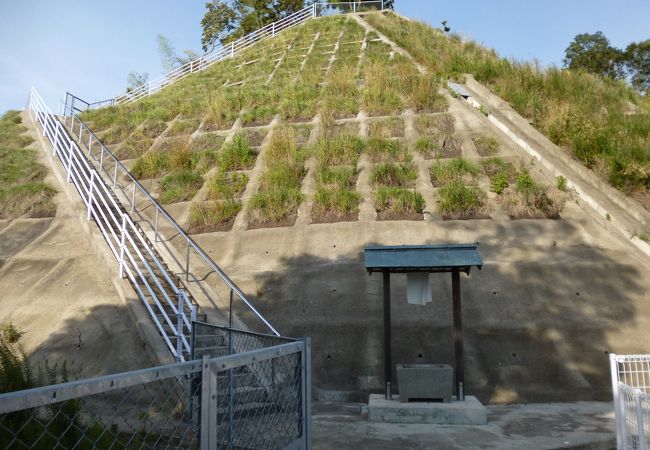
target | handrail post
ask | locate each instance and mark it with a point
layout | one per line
(101, 158)
(313, 10)
(187, 263)
(272, 29)
(230, 310)
(122, 245)
(90, 194)
(133, 198)
(613, 366)
(156, 225)
(56, 140)
(90, 142)
(232, 48)
(69, 168)
(115, 176)
(179, 328)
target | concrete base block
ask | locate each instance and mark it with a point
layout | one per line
(468, 412)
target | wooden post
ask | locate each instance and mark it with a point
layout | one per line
(387, 338)
(459, 370)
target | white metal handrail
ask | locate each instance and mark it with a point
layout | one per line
(235, 47)
(125, 246)
(113, 169)
(631, 391)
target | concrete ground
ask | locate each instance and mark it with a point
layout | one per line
(579, 425)
(58, 290)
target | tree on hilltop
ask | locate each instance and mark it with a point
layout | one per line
(593, 53)
(637, 62)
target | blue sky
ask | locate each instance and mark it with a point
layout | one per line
(89, 47)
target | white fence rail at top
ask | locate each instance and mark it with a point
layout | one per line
(171, 306)
(631, 388)
(238, 45)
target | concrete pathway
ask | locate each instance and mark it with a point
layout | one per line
(579, 425)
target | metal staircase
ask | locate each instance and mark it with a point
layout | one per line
(170, 305)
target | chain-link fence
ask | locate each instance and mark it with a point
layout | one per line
(257, 399)
(215, 341)
(631, 389)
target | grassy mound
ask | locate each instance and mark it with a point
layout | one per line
(22, 189)
(603, 123)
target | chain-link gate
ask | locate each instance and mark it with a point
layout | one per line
(257, 399)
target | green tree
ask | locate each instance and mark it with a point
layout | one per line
(637, 62)
(226, 20)
(593, 53)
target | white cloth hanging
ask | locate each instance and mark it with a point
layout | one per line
(418, 288)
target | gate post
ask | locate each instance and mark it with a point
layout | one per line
(208, 405)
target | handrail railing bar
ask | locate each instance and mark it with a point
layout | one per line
(153, 256)
(153, 275)
(127, 253)
(185, 236)
(106, 222)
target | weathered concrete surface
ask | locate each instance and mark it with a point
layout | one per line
(554, 297)
(468, 412)
(580, 425)
(58, 290)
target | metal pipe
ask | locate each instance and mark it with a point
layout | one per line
(230, 311)
(156, 229)
(639, 419)
(133, 199)
(179, 328)
(458, 334)
(90, 194)
(387, 338)
(187, 263)
(121, 261)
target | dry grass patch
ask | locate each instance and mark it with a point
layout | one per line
(387, 128)
(22, 189)
(380, 149)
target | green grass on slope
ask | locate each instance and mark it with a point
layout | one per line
(22, 190)
(588, 115)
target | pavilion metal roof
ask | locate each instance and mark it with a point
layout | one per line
(422, 258)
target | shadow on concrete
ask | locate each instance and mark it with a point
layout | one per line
(103, 341)
(537, 318)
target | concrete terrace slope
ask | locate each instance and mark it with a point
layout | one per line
(57, 289)
(555, 295)
(625, 215)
